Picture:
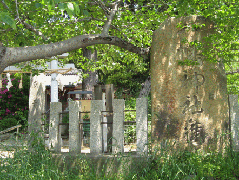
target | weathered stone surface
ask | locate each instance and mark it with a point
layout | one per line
(189, 103)
(118, 126)
(96, 127)
(142, 125)
(36, 103)
(74, 127)
(234, 117)
(54, 135)
(107, 91)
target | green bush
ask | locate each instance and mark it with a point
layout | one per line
(65, 118)
(130, 134)
(14, 103)
(8, 122)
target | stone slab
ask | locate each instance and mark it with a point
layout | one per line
(36, 103)
(54, 134)
(189, 103)
(96, 127)
(74, 127)
(234, 118)
(142, 126)
(118, 126)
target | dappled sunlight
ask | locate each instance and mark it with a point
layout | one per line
(6, 154)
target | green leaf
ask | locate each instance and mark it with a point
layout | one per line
(8, 20)
(62, 6)
(70, 9)
(38, 5)
(76, 8)
(86, 13)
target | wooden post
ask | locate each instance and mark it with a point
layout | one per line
(17, 134)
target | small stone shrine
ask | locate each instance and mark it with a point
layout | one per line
(189, 102)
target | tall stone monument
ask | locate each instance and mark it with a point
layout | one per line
(189, 102)
(36, 103)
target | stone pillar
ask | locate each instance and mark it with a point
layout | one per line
(54, 135)
(74, 127)
(234, 118)
(108, 89)
(54, 83)
(109, 93)
(118, 126)
(96, 127)
(104, 126)
(142, 125)
(36, 103)
(189, 102)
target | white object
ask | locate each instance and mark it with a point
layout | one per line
(47, 144)
(54, 83)
(9, 81)
(104, 125)
(69, 99)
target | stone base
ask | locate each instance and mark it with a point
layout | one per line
(110, 165)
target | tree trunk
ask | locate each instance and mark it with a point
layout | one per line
(89, 82)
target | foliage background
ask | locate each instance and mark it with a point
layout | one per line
(232, 79)
(135, 22)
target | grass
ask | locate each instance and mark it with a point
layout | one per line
(164, 163)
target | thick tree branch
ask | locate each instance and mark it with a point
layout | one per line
(16, 9)
(110, 18)
(4, 4)
(31, 28)
(10, 56)
(97, 19)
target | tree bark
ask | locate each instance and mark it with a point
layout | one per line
(10, 56)
(89, 82)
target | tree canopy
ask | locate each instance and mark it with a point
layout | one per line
(120, 30)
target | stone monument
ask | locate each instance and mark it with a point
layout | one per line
(36, 103)
(189, 102)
